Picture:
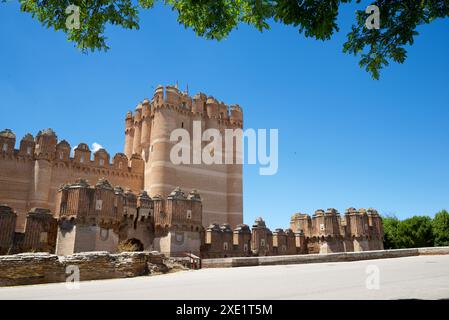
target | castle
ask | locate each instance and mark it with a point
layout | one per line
(30, 176)
(138, 199)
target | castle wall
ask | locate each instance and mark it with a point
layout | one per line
(220, 185)
(177, 243)
(26, 183)
(15, 182)
(85, 238)
(140, 231)
(361, 244)
(66, 238)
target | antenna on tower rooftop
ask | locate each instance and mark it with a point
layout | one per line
(187, 88)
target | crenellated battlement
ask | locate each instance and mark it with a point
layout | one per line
(358, 229)
(45, 146)
(43, 162)
(170, 97)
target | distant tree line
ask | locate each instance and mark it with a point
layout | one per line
(417, 231)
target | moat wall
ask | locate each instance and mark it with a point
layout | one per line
(38, 268)
(321, 258)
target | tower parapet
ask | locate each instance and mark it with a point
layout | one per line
(199, 104)
(46, 141)
(212, 108)
(7, 141)
(63, 151)
(101, 158)
(27, 146)
(236, 116)
(82, 154)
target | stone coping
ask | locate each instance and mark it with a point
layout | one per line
(321, 258)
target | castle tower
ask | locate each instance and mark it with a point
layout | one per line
(137, 147)
(291, 241)
(300, 221)
(145, 139)
(180, 219)
(7, 228)
(261, 238)
(45, 150)
(153, 123)
(129, 134)
(242, 240)
(213, 244)
(301, 244)
(279, 242)
(227, 240)
(326, 228)
(358, 228)
(375, 230)
(88, 218)
(40, 231)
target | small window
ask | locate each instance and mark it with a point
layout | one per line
(5, 147)
(262, 242)
(182, 124)
(82, 159)
(322, 227)
(245, 247)
(189, 214)
(61, 156)
(98, 204)
(225, 246)
(28, 150)
(120, 165)
(101, 162)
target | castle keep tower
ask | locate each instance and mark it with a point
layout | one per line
(148, 133)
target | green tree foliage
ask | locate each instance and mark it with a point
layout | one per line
(440, 226)
(390, 224)
(415, 232)
(215, 19)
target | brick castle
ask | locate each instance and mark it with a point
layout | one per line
(139, 197)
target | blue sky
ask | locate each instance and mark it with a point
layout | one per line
(344, 139)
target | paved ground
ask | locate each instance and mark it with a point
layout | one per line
(422, 277)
